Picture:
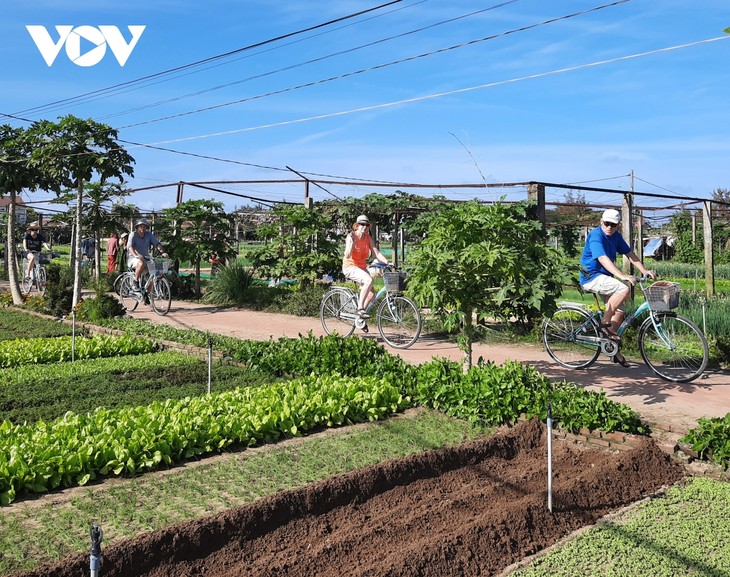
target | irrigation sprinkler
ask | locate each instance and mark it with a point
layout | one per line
(95, 556)
(210, 362)
(550, 458)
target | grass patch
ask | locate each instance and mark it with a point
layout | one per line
(684, 532)
(34, 532)
(33, 392)
(21, 325)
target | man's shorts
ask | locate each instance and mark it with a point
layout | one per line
(605, 286)
(132, 263)
(357, 275)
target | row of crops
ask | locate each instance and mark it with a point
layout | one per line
(129, 407)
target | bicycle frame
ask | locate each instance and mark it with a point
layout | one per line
(353, 317)
(595, 319)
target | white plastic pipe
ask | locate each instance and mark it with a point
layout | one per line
(550, 458)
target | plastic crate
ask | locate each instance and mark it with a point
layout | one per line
(395, 281)
(663, 295)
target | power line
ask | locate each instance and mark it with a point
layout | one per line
(170, 71)
(305, 63)
(381, 66)
(442, 94)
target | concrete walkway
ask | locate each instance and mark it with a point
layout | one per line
(667, 406)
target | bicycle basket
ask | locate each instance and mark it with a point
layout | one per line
(662, 295)
(162, 265)
(395, 281)
(44, 258)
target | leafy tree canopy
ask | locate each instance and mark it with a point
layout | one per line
(485, 261)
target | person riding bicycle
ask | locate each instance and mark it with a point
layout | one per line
(138, 248)
(33, 243)
(600, 275)
(359, 245)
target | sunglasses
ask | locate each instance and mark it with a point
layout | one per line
(611, 224)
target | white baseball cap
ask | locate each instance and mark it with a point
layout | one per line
(611, 215)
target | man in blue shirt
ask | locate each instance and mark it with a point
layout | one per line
(599, 274)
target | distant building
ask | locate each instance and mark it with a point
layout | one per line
(21, 214)
(660, 247)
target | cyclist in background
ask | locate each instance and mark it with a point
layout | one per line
(33, 242)
(138, 247)
(599, 273)
(359, 245)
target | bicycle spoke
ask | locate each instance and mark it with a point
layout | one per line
(160, 295)
(674, 348)
(399, 321)
(129, 298)
(337, 312)
(566, 338)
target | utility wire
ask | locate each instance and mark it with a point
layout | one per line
(380, 66)
(209, 59)
(440, 94)
(312, 61)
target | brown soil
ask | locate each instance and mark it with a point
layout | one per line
(469, 510)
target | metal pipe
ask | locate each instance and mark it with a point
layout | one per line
(95, 556)
(210, 363)
(550, 457)
(73, 335)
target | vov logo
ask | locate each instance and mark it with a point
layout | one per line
(97, 39)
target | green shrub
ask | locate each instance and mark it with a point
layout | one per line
(102, 306)
(300, 301)
(59, 290)
(230, 286)
(712, 439)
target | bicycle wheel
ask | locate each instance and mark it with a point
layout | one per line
(42, 280)
(563, 336)
(160, 295)
(337, 312)
(399, 321)
(118, 283)
(26, 283)
(674, 348)
(129, 299)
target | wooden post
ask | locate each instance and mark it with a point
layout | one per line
(639, 250)
(394, 239)
(709, 256)
(536, 193)
(627, 227)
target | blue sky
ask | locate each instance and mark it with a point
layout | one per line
(570, 101)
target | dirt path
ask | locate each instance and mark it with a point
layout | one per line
(666, 406)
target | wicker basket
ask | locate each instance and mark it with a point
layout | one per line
(162, 265)
(395, 281)
(662, 295)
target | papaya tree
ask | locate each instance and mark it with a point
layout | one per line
(194, 230)
(299, 245)
(485, 261)
(69, 153)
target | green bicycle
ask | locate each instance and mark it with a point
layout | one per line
(672, 346)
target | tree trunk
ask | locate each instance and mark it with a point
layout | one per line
(76, 248)
(12, 254)
(197, 278)
(97, 255)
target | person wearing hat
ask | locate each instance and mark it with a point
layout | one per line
(139, 244)
(359, 245)
(33, 242)
(599, 273)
